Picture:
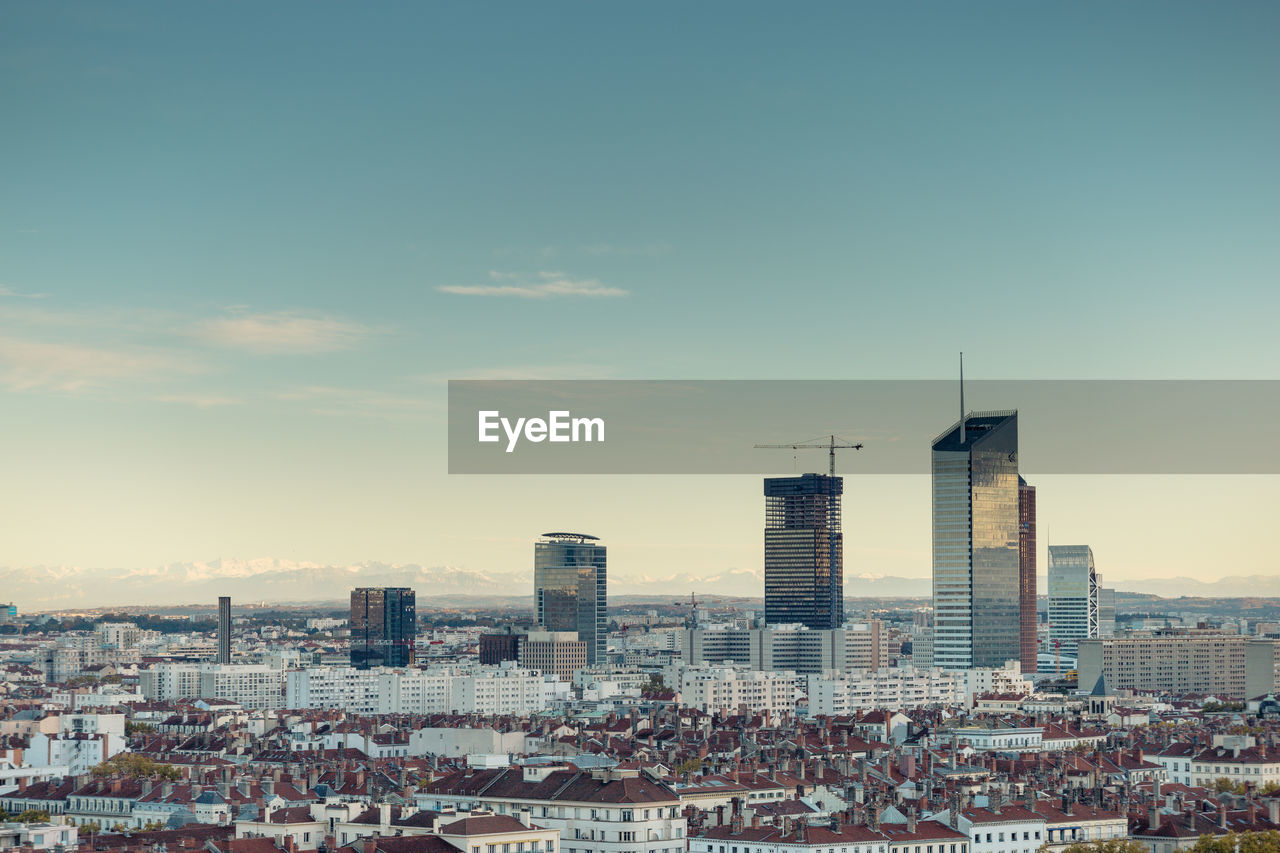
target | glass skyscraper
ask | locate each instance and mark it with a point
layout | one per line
(1073, 596)
(976, 543)
(384, 626)
(803, 551)
(1027, 575)
(570, 588)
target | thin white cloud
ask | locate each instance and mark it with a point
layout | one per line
(649, 251)
(27, 365)
(281, 332)
(362, 402)
(584, 370)
(545, 285)
(200, 401)
(5, 290)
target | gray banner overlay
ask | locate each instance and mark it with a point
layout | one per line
(712, 426)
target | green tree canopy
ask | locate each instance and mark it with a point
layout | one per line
(134, 766)
(1112, 845)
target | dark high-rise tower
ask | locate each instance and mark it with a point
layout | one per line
(570, 588)
(1027, 574)
(976, 543)
(803, 548)
(384, 623)
(224, 629)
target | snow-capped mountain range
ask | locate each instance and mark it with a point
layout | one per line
(36, 588)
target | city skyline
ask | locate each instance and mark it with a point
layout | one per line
(389, 393)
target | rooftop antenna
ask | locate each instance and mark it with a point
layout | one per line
(962, 417)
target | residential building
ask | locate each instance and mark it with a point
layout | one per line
(732, 690)
(1238, 758)
(998, 828)
(506, 689)
(605, 811)
(253, 686)
(119, 635)
(911, 836)
(835, 694)
(1261, 668)
(855, 647)
(1177, 662)
(38, 836)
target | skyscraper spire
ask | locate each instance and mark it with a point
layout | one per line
(962, 398)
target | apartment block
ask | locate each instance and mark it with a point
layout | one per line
(797, 648)
(1224, 665)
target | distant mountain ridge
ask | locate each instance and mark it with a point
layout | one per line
(272, 580)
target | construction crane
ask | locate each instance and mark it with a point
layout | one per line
(833, 520)
(830, 446)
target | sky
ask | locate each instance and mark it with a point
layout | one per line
(244, 246)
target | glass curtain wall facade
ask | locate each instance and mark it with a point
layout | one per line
(1106, 610)
(1028, 641)
(1073, 596)
(384, 623)
(977, 543)
(570, 589)
(803, 551)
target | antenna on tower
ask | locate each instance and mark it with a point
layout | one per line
(962, 415)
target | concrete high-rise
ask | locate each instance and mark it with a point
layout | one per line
(976, 543)
(1073, 596)
(803, 551)
(1106, 611)
(558, 652)
(570, 589)
(384, 626)
(1027, 576)
(224, 629)
(1178, 662)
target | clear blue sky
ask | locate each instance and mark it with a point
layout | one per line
(242, 246)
